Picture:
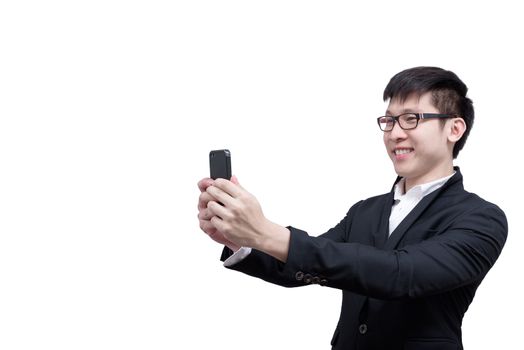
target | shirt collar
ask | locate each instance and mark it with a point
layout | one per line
(419, 191)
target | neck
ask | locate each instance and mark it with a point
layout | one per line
(435, 174)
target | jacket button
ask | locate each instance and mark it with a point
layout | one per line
(299, 275)
(363, 328)
(315, 280)
(307, 278)
(323, 282)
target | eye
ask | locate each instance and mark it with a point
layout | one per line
(386, 120)
(409, 118)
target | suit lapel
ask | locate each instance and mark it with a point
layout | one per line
(403, 227)
(405, 224)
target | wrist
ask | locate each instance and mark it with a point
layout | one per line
(233, 246)
(275, 241)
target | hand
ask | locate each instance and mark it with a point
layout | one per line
(205, 215)
(240, 219)
(236, 213)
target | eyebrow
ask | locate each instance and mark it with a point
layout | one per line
(407, 110)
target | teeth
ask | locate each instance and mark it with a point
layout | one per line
(402, 151)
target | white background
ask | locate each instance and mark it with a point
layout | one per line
(108, 110)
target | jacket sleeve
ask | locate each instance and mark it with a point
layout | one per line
(458, 256)
(261, 265)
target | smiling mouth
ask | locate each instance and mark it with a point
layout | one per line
(403, 151)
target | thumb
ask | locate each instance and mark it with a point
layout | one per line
(234, 180)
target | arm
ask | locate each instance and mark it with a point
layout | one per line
(264, 266)
(237, 215)
(460, 255)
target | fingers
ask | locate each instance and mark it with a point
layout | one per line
(217, 236)
(219, 195)
(203, 199)
(207, 227)
(216, 199)
(234, 180)
(204, 214)
(204, 183)
(232, 188)
(216, 209)
(220, 189)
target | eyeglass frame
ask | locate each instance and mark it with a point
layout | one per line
(418, 115)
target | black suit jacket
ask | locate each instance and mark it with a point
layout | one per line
(406, 291)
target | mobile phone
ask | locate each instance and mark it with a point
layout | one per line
(220, 164)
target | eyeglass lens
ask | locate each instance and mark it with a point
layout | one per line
(406, 121)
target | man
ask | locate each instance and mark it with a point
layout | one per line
(408, 262)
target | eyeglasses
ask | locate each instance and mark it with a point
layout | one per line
(407, 121)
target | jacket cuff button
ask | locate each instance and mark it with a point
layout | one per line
(299, 276)
(307, 278)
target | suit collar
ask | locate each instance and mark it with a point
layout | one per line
(420, 191)
(454, 182)
(456, 177)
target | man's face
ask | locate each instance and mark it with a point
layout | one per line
(422, 154)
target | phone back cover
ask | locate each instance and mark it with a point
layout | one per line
(220, 164)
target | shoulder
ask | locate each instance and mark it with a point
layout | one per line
(470, 201)
(372, 203)
(465, 210)
(474, 204)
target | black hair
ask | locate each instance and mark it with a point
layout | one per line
(448, 93)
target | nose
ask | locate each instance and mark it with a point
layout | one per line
(397, 133)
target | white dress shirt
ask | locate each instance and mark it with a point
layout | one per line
(404, 203)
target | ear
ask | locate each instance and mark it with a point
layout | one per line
(457, 129)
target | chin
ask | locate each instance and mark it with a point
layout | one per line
(402, 171)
